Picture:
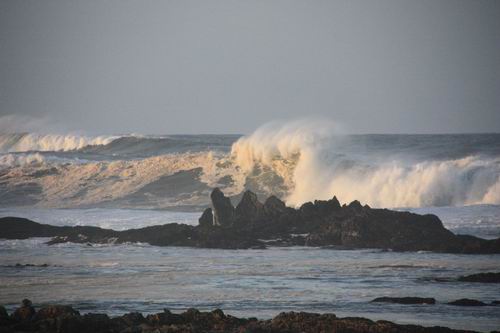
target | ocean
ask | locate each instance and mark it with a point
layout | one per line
(130, 181)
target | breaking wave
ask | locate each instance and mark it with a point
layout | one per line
(24, 142)
(304, 156)
(298, 161)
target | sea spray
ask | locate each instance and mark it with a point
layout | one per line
(298, 161)
(25, 142)
(316, 171)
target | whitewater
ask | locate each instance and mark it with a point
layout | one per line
(297, 161)
(132, 181)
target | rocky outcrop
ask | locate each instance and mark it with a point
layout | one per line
(55, 311)
(467, 302)
(207, 218)
(4, 316)
(253, 225)
(274, 207)
(249, 209)
(25, 312)
(481, 278)
(64, 319)
(405, 300)
(223, 209)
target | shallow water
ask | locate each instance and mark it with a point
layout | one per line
(136, 277)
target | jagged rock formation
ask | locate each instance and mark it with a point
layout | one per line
(249, 209)
(64, 319)
(223, 209)
(255, 225)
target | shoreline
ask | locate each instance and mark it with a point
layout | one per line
(253, 224)
(64, 318)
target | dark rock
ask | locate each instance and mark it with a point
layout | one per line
(206, 219)
(223, 209)
(250, 209)
(322, 223)
(165, 318)
(18, 265)
(481, 277)
(133, 319)
(63, 319)
(467, 302)
(24, 313)
(274, 207)
(307, 209)
(54, 311)
(92, 322)
(355, 205)
(3, 313)
(4, 316)
(405, 300)
(21, 228)
(328, 206)
(303, 322)
(495, 303)
(218, 314)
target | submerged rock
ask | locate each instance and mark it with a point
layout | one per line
(405, 300)
(467, 302)
(481, 277)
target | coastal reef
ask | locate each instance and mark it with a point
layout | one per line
(253, 224)
(65, 319)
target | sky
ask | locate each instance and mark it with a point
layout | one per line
(228, 66)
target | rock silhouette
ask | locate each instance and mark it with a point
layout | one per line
(405, 300)
(323, 223)
(65, 319)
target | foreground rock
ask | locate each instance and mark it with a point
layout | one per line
(405, 300)
(64, 319)
(481, 277)
(252, 224)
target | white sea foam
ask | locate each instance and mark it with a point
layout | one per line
(299, 161)
(304, 155)
(83, 184)
(49, 142)
(12, 160)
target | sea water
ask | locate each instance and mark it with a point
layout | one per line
(132, 181)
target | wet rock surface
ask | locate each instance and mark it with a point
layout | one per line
(251, 224)
(467, 302)
(64, 319)
(25, 312)
(481, 278)
(404, 300)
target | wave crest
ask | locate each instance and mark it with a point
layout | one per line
(24, 142)
(298, 161)
(303, 154)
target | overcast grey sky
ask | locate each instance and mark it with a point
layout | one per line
(182, 66)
